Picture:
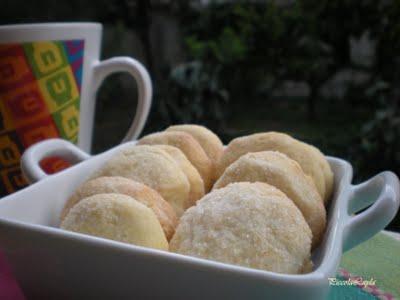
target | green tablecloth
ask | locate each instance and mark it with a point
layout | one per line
(377, 259)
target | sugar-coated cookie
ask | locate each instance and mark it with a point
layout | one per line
(280, 171)
(117, 217)
(193, 176)
(301, 152)
(189, 146)
(326, 170)
(153, 167)
(207, 139)
(249, 224)
(140, 192)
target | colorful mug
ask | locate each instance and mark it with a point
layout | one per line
(49, 75)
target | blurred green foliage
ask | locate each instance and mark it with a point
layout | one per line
(246, 51)
(241, 53)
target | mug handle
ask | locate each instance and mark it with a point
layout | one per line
(382, 192)
(30, 160)
(126, 64)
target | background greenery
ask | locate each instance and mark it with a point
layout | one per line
(324, 71)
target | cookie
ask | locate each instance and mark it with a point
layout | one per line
(117, 217)
(193, 176)
(301, 152)
(285, 174)
(207, 139)
(140, 192)
(190, 147)
(153, 167)
(248, 224)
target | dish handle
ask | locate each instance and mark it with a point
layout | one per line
(30, 160)
(382, 194)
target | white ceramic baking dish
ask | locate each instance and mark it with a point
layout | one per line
(51, 263)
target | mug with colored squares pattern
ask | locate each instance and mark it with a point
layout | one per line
(49, 75)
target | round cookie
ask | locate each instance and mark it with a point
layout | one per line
(153, 167)
(326, 170)
(193, 176)
(285, 174)
(189, 146)
(207, 139)
(117, 217)
(249, 224)
(296, 150)
(140, 192)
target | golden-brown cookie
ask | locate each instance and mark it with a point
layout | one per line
(117, 217)
(207, 139)
(153, 167)
(285, 174)
(120, 185)
(249, 224)
(274, 141)
(195, 180)
(326, 170)
(189, 146)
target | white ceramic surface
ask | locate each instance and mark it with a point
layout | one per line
(51, 263)
(94, 71)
